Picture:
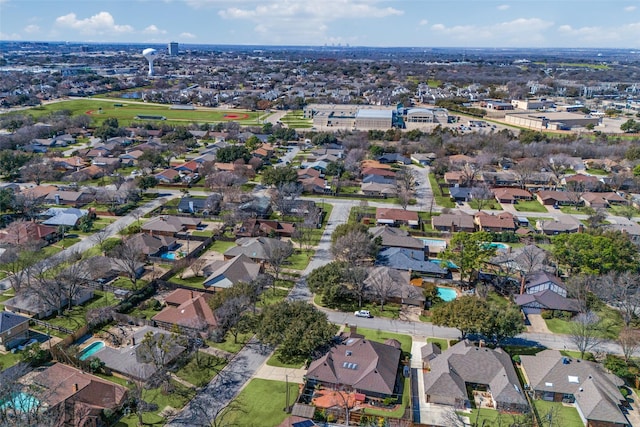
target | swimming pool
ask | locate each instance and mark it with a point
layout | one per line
(447, 294)
(21, 402)
(435, 242)
(90, 350)
(168, 255)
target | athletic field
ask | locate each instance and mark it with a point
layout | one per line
(127, 111)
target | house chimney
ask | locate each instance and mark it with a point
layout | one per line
(580, 228)
(191, 294)
(57, 197)
(75, 387)
(353, 329)
(133, 340)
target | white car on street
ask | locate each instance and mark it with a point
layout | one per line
(363, 313)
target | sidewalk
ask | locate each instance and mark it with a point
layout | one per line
(281, 374)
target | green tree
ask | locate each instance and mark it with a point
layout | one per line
(592, 253)
(232, 153)
(298, 328)
(324, 138)
(252, 143)
(469, 251)
(468, 314)
(279, 176)
(344, 229)
(630, 126)
(7, 199)
(147, 181)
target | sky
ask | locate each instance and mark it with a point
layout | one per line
(376, 23)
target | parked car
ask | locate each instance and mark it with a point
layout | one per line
(363, 313)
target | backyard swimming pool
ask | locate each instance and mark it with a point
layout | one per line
(90, 350)
(447, 294)
(21, 402)
(436, 243)
(168, 255)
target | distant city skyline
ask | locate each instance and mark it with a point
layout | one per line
(375, 23)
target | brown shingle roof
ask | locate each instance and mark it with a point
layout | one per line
(194, 313)
(396, 215)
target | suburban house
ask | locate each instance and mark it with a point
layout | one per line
(193, 205)
(629, 227)
(460, 194)
(377, 171)
(259, 207)
(168, 225)
(187, 309)
(309, 173)
(563, 224)
(594, 393)
(34, 305)
(18, 233)
(375, 189)
(456, 369)
(358, 365)
(225, 274)
(453, 222)
(254, 227)
(523, 260)
(501, 222)
(396, 238)
(423, 159)
(582, 182)
(559, 198)
(410, 260)
(71, 198)
(67, 217)
(257, 249)
(428, 352)
(153, 245)
(14, 330)
(543, 291)
(78, 398)
(602, 200)
(132, 360)
(394, 158)
(394, 216)
(168, 176)
(109, 268)
(397, 286)
(511, 195)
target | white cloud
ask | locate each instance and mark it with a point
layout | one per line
(600, 36)
(504, 7)
(630, 8)
(7, 36)
(152, 29)
(304, 21)
(101, 23)
(423, 22)
(32, 28)
(186, 35)
(519, 32)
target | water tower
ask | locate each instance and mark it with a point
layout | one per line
(151, 55)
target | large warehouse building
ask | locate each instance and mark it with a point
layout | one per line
(361, 117)
(551, 120)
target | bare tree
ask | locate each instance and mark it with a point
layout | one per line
(277, 255)
(353, 247)
(557, 165)
(585, 332)
(382, 285)
(482, 196)
(357, 277)
(579, 287)
(128, 256)
(197, 265)
(100, 237)
(224, 182)
(531, 258)
(525, 169)
(629, 340)
(285, 194)
(76, 276)
(158, 350)
(17, 263)
(621, 290)
(38, 170)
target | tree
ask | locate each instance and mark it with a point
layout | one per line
(621, 290)
(353, 247)
(469, 251)
(17, 263)
(128, 256)
(504, 322)
(278, 176)
(585, 332)
(382, 285)
(147, 181)
(232, 153)
(224, 182)
(277, 255)
(324, 138)
(468, 314)
(481, 196)
(297, 327)
(595, 253)
(629, 340)
(76, 276)
(158, 350)
(38, 170)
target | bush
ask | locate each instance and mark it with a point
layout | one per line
(547, 314)
(111, 244)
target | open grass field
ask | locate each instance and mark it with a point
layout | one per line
(296, 120)
(99, 110)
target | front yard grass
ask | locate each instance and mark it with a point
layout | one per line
(444, 343)
(299, 260)
(530, 206)
(381, 336)
(271, 296)
(262, 403)
(490, 205)
(9, 359)
(274, 360)
(221, 246)
(177, 398)
(566, 416)
(442, 197)
(611, 323)
(229, 345)
(391, 310)
(201, 369)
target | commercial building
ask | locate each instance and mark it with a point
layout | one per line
(551, 120)
(172, 47)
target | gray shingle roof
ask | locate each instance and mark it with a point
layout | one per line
(10, 320)
(408, 259)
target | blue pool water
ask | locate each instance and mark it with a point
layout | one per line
(168, 255)
(21, 402)
(448, 264)
(90, 350)
(447, 294)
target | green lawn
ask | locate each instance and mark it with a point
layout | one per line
(299, 260)
(601, 172)
(229, 345)
(566, 416)
(9, 359)
(391, 311)
(177, 398)
(75, 318)
(381, 336)
(489, 417)
(295, 119)
(398, 412)
(272, 296)
(274, 360)
(442, 199)
(611, 323)
(125, 283)
(201, 369)
(491, 204)
(262, 400)
(444, 343)
(130, 109)
(192, 282)
(530, 206)
(221, 246)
